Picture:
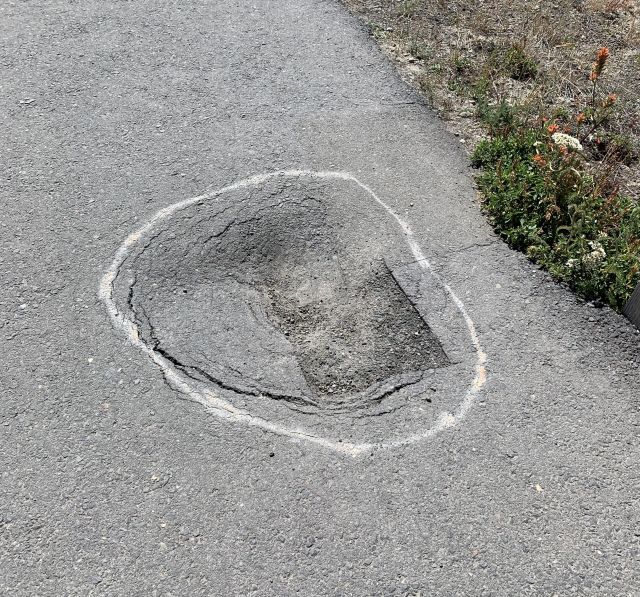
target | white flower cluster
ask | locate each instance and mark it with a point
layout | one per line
(592, 259)
(565, 140)
(596, 256)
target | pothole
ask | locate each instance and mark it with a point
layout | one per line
(294, 291)
(351, 330)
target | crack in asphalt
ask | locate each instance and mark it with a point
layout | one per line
(197, 373)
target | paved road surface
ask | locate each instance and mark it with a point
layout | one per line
(113, 484)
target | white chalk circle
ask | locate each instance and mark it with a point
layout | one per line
(123, 320)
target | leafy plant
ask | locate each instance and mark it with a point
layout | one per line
(518, 65)
(544, 199)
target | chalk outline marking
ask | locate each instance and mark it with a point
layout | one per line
(225, 410)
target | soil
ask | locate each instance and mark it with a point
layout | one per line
(351, 331)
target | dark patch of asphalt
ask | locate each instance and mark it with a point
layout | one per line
(111, 484)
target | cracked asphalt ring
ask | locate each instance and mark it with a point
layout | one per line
(297, 301)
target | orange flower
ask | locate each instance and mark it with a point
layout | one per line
(612, 97)
(601, 59)
(553, 128)
(580, 117)
(538, 159)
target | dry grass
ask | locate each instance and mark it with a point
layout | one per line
(536, 55)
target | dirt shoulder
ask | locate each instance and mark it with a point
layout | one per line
(513, 73)
(445, 48)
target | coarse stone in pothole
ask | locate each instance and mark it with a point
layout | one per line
(349, 333)
(284, 290)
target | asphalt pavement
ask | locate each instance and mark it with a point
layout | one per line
(116, 481)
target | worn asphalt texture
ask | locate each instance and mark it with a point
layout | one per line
(113, 484)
